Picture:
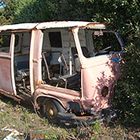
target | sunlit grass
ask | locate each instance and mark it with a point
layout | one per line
(27, 122)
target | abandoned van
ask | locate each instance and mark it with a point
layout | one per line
(65, 68)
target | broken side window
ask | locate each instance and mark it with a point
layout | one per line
(55, 39)
(5, 42)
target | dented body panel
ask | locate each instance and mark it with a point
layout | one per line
(70, 65)
(92, 86)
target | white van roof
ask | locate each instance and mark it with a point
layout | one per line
(53, 24)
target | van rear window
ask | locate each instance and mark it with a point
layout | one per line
(55, 39)
(5, 42)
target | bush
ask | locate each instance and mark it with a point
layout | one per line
(127, 96)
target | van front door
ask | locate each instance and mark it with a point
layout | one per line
(100, 66)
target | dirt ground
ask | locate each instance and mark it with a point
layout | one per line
(22, 123)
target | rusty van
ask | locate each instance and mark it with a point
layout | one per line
(64, 68)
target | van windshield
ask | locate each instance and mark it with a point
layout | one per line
(98, 42)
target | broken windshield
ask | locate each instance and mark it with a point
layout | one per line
(98, 42)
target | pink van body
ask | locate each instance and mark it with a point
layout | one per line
(94, 81)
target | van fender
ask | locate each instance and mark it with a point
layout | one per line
(52, 108)
(40, 99)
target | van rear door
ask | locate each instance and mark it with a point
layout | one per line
(7, 84)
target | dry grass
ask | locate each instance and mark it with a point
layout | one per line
(25, 121)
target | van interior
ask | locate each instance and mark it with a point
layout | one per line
(59, 60)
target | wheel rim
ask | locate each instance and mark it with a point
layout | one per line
(51, 110)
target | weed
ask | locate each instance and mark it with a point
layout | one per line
(26, 121)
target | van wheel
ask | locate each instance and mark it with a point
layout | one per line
(51, 109)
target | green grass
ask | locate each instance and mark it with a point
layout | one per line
(15, 116)
(27, 122)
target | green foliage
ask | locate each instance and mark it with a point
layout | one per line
(96, 127)
(123, 15)
(35, 10)
(127, 98)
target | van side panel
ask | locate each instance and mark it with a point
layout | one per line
(5, 74)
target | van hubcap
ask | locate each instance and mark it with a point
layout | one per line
(51, 112)
(50, 109)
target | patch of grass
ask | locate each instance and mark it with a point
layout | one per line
(15, 116)
(24, 120)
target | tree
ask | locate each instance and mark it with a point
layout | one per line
(36, 10)
(7, 11)
(123, 15)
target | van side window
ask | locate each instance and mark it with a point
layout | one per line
(5, 42)
(55, 39)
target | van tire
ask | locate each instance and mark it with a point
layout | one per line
(51, 108)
